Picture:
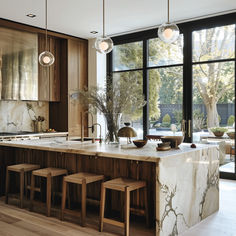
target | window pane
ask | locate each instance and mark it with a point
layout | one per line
(128, 56)
(136, 118)
(213, 95)
(161, 53)
(215, 43)
(165, 99)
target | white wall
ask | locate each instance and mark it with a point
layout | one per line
(96, 77)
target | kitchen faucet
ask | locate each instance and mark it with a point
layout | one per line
(100, 136)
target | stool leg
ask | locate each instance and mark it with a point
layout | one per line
(63, 200)
(49, 194)
(146, 206)
(32, 191)
(83, 203)
(102, 206)
(127, 211)
(22, 173)
(7, 186)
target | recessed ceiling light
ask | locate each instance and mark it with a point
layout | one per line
(31, 15)
(93, 32)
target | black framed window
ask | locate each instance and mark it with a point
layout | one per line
(174, 70)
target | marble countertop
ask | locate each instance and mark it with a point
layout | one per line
(121, 151)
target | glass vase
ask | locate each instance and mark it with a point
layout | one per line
(112, 125)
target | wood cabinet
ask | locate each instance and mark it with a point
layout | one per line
(49, 77)
(77, 79)
(64, 115)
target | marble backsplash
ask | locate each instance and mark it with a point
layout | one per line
(18, 116)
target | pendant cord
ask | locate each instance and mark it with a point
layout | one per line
(46, 24)
(168, 12)
(103, 19)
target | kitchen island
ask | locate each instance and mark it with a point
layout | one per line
(183, 184)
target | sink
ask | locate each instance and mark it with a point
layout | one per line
(79, 139)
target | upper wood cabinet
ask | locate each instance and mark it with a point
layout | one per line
(77, 79)
(49, 77)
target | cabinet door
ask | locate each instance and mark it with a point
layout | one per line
(54, 73)
(77, 79)
(43, 72)
(49, 77)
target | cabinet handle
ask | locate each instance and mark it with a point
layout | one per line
(189, 129)
(183, 127)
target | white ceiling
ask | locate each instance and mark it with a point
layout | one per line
(79, 17)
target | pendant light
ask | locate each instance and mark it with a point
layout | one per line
(168, 32)
(46, 58)
(104, 44)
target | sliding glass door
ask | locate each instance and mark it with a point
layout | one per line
(213, 109)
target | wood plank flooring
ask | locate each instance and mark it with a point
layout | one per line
(20, 222)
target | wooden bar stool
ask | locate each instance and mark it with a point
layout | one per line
(126, 186)
(22, 169)
(83, 179)
(47, 173)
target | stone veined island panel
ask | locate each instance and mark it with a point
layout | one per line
(187, 190)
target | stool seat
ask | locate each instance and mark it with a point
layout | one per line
(50, 171)
(121, 184)
(79, 177)
(23, 167)
(124, 185)
(82, 178)
(47, 173)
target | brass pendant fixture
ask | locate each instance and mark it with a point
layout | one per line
(46, 58)
(168, 32)
(104, 44)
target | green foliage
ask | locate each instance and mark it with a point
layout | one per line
(130, 56)
(219, 129)
(165, 124)
(178, 114)
(219, 118)
(230, 120)
(166, 118)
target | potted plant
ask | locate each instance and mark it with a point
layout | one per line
(219, 131)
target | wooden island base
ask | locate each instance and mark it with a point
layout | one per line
(182, 184)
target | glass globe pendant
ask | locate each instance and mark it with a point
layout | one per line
(168, 32)
(46, 58)
(104, 44)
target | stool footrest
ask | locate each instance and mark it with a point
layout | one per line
(35, 189)
(114, 222)
(72, 212)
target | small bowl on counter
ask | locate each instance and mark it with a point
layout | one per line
(139, 143)
(175, 141)
(164, 146)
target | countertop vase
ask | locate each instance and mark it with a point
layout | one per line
(113, 125)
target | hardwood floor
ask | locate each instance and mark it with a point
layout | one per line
(20, 222)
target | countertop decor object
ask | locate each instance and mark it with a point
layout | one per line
(118, 97)
(46, 58)
(127, 132)
(168, 32)
(104, 44)
(231, 135)
(175, 141)
(140, 143)
(219, 131)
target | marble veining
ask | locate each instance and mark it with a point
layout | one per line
(187, 190)
(15, 116)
